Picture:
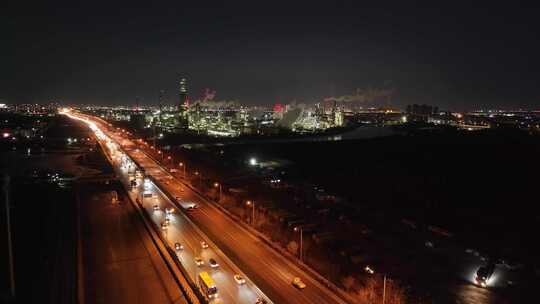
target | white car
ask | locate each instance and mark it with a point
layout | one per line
(178, 246)
(213, 263)
(239, 279)
(192, 207)
(199, 261)
(204, 245)
(163, 226)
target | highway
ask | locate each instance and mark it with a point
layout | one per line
(181, 230)
(232, 246)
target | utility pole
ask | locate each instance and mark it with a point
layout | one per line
(6, 183)
(154, 134)
(301, 231)
(384, 290)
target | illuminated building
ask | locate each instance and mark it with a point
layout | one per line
(181, 122)
(338, 118)
(183, 93)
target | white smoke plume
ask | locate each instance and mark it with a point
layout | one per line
(207, 100)
(363, 95)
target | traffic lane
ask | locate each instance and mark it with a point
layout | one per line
(191, 239)
(272, 268)
(223, 274)
(180, 230)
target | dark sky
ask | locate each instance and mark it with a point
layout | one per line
(261, 52)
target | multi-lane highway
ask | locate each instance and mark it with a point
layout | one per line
(181, 230)
(232, 246)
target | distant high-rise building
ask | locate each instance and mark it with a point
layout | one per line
(338, 118)
(183, 92)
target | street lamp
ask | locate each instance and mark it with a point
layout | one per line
(371, 271)
(218, 185)
(184, 168)
(200, 177)
(252, 204)
(301, 253)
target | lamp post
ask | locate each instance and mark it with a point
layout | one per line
(200, 177)
(252, 204)
(371, 271)
(384, 289)
(184, 168)
(301, 253)
(218, 185)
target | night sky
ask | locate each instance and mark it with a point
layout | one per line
(262, 52)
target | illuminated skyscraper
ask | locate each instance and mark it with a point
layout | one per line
(183, 98)
(183, 92)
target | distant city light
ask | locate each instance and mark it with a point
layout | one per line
(6, 135)
(253, 161)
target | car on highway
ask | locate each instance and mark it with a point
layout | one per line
(156, 208)
(260, 301)
(178, 246)
(169, 210)
(213, 263)
(239, 279)
(178, 199)
(167, 221)
(297, 282)
(163, 226)
(199, 261)
(484, 273)
(204, 245)
(192, 207)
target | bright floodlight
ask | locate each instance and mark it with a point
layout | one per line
(253, 161)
